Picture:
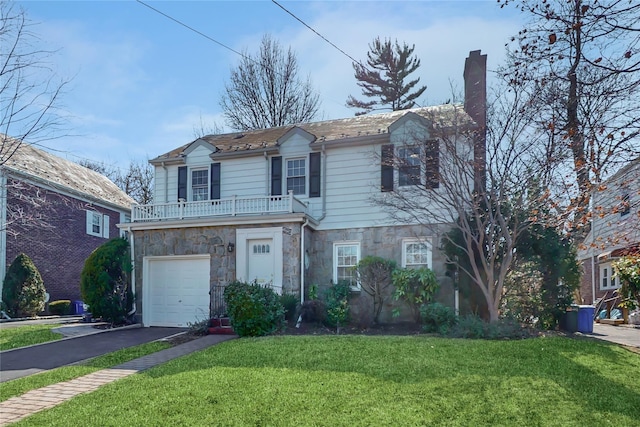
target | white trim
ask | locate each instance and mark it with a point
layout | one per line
(424, 240)
(146, 261)
(342, 243)
(216, 222)
(3, 228)
(285, 183)
(242, 255)
(191, 170)
(613, 281)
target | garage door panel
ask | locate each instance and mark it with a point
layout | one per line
(177, 290)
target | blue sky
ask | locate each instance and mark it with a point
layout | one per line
(140, 83)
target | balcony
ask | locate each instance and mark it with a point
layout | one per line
(233, 206)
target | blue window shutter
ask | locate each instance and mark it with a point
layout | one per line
(314, 175)
(386, 168)
(182, 183)
(215, 181)
(276, 176)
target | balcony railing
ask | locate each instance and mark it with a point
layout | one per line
(232, 206)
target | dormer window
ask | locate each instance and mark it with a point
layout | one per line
(296, 176)
(409, 170)
(199, 184)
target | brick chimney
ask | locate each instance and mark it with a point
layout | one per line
(475, 105)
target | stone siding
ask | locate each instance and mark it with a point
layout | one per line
(385, 242)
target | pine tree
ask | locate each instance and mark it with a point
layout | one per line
(388, 65)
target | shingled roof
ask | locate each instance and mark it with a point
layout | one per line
(37, 165)
(443, 116)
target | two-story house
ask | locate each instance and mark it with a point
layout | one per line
(615, 231)
(57, 212)
(289, 206)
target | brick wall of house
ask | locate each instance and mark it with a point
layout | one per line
(51, 229)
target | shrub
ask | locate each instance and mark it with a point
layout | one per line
(104, 281)
(23, 292)
(61, 307)
(313, 311)
(416, 287)
(337, 303)
(474, 327)
(374, 276)
(438, 318)
(290, 303)
(254, 310)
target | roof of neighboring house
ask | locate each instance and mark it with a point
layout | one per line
(37, 165)
(442, 116)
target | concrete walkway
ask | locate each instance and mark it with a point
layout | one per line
(20, 407)
(626, 335)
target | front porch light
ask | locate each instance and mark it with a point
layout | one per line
(230, 247)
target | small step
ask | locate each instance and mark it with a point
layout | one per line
(614, 322)
(220, 326)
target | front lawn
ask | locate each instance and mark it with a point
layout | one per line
(372, 381)
(22, 336)
(20, 386)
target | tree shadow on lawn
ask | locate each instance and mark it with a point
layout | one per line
(597, 375)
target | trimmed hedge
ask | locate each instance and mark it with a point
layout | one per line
(254, 310)
(23, 292)
(104, 281)
(61, 307)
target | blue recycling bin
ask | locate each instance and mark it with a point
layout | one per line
(585, 318)
(78, 307)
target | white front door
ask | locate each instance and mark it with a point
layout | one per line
(261, 261)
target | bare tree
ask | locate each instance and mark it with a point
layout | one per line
(265, 91)
(436, 186)
(136, 181)
(583, 59)
(29, 91)
(383, 78)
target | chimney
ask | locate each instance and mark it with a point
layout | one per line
(475, 105)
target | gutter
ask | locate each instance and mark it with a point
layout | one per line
(133, 270)
(166, 183)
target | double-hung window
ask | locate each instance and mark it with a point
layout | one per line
(345, 258)
(199, 184)
(296, 176)
(409, 170)
(608, 278)
(97, 224)
(416, 253)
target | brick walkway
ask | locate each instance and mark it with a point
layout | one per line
(20, 407)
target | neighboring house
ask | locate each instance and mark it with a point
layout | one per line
(615, 231)
(57, 212)
(289, 206)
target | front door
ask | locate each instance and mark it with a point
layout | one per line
(261, 266)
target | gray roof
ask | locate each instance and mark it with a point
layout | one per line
(40, 166)
(441, 116)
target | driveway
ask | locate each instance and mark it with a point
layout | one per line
(27, 361)
(624, 335)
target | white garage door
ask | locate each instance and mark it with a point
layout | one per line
(176, 290)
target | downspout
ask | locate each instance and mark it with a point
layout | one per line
(593, 252)
(266, 176)
(133, 271)
(302, 255)
(324, 185)
(166, 183)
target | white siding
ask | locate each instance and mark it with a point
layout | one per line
(244, 176)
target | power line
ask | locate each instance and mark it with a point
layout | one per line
(317, 33)
(194, 30)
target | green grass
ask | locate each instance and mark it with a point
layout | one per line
(23, 336)
(22, 385)
(372, 381)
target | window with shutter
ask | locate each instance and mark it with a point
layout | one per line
(386, 168)
(276, 176)
(314, 175)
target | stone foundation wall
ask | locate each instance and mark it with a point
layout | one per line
(385, 242)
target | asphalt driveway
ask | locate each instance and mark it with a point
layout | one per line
(27, 361)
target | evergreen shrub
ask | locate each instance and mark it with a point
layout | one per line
(254, 310)
(61, 307)
(23, 292)
(105, 281)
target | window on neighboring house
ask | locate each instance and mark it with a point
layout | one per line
(625, 206)
(97, 224)
(416, 253)
(199, 184)
(409, 170)
(608, 278)
(345, 258)
(296, 176)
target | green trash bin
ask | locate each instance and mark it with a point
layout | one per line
(570, 319)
